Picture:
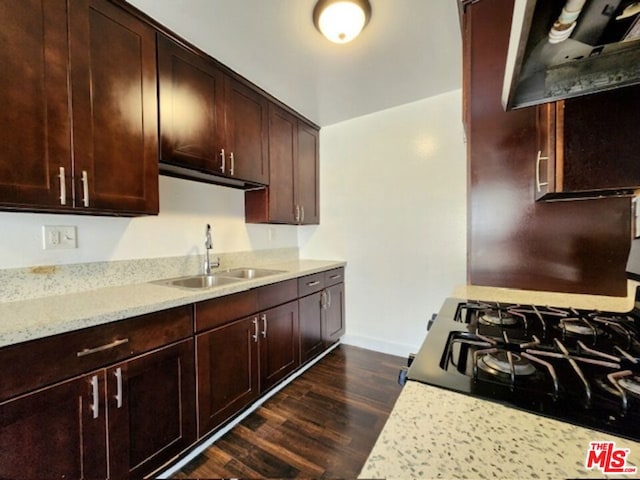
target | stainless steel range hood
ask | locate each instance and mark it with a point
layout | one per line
(561, 49)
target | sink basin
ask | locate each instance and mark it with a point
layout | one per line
(248, 273)
(199, 281)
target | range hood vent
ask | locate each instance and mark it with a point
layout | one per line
(171, 170)
(563, 49)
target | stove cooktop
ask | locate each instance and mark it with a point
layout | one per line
(577, 366)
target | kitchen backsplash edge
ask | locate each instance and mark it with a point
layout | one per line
(44, 281)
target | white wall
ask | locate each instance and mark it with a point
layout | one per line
(185, 208)
(393, 204)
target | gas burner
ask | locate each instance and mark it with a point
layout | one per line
(578, 327)
(497, 318)
(631, 385)
(498, 362)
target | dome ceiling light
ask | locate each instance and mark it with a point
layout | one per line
(341, 20)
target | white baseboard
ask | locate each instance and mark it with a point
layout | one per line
(399, 349)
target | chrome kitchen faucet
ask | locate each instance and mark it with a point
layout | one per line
(208, 245)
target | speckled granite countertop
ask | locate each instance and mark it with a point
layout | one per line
(435, 433)
(509, 295)
(35, 318)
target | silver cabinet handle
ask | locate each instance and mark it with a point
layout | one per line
(85, 188)
(313, 284)
(297, 213)
(328, 298)
(108, 346)
(95, 405)
(540, 184)
(118, 397)
(232, 167)
(255, 329)
(302, 216)
(335, 277)
(264, 325)
(63, 187)
(223, 160)
(323, 300)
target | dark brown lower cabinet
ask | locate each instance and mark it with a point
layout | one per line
(334, 326)
(238, 361)
(279, 344)
(56, 432)
(119, 422)
(227, 359)
(151, 405)
(311, 341)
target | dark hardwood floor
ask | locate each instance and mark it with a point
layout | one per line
(322, 425)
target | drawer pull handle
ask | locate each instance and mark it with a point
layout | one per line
(264, 325)
(313, 284)
(108, 346)
(335, 277)
(95, 405)
(118, 374)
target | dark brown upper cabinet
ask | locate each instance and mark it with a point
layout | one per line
(588, 146)
(79, 116)
(293, 193)
(514, 241)
(209, 122)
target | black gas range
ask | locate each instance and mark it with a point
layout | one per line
(574, 365)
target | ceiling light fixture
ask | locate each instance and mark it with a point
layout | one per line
(341, 20)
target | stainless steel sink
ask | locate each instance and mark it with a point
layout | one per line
(248, 273)
(199, 281)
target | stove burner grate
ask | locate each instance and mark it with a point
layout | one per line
(498, 363)
(497, 318)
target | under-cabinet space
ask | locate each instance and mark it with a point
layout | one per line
(588, 146)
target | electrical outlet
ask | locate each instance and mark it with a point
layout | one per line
(59, 237)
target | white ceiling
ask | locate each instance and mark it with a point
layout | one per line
(410, 50)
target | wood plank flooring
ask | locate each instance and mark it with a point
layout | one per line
(322, 425)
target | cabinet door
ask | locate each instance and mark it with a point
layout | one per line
(227, 372)
(151, 402)
(310, 314)
(247, 126)
(113, 76)
(283, 150)
(34, 118)
(307, 175)
(600, 141)
(192, 96)
(334, 326)
(279, 344)
(56, 432)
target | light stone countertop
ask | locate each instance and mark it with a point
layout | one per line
(40, 317)
(436, 433)
(555, 299)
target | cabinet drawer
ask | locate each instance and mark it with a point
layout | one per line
(37, 363)
(333, 277)
(277, 294)
(310, 284)
(219, 311)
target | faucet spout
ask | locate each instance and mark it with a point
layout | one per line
(208, 245)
